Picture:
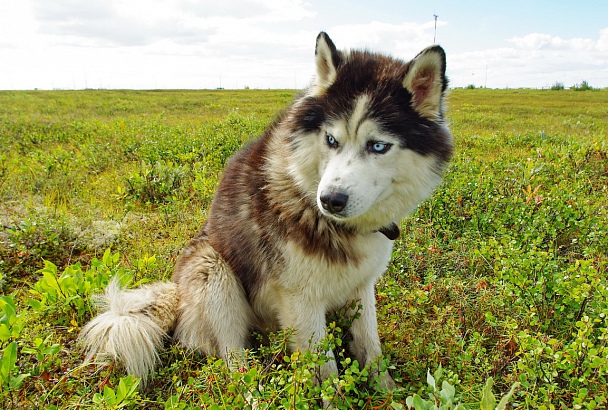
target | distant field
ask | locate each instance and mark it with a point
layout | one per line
(502, 274)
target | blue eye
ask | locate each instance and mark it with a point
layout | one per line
(331, 141)
(377, 147)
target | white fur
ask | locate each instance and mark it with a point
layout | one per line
(215, 317)
(382, 188)
(310, 287)
(129, 329)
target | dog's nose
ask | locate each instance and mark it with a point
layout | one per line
(334, 202)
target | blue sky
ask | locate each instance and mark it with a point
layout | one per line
(143, 44)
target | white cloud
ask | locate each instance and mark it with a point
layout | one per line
(539, 41)
(253, 10)
(404, 40)
(144, 22)
(259, 43)
(153, 43)
(115, 22)
(534, 60)
(602, 42)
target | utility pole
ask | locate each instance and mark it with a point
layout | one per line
(485, 85)
(435, 35)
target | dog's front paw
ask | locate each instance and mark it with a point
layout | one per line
(386, 382)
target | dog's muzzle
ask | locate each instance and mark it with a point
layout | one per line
(335, 202)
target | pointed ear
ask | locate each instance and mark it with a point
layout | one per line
(425, 79)
(327, 60)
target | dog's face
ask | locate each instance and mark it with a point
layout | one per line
(362, 166)
(368, 139)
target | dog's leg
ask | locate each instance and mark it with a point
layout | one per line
(230, 317)
(308, 321)
(214, 315)
(366, 341)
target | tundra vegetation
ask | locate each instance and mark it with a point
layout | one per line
(498, 283)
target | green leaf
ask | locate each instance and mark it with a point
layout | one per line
(49, 267)
(439, 372)
(15, 381)
(109, 396)
(51, 281)
(107, 257)
(5, 333)
(9, 358)
(127, 387)
(416, 402)
(502, 405)
(10, 311)
(35, 304)
(110, 259)
(430, 380)
(448, 391)
(7, 366)
(8, 305)
(51, 349)
(97, 398)
(488, 402)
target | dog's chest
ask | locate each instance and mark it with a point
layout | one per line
(331, 282)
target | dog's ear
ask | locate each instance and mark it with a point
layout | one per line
(426, 81)
(327, 60)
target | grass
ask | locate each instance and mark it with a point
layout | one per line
(501, 275)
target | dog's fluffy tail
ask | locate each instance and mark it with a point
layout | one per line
(131, 325)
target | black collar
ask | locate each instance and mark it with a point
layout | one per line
(391, 231)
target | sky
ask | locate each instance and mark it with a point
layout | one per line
(194, 44)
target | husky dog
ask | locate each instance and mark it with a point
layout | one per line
(302, 221)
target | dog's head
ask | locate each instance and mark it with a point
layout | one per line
(368, 137)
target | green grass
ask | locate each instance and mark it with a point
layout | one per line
(502, 274)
